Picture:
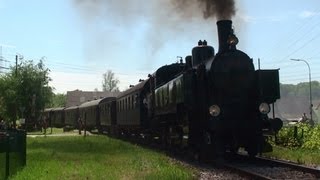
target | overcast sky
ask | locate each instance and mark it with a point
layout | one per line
(82, 39)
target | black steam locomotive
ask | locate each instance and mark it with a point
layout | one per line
(212, 103)
(219, 100)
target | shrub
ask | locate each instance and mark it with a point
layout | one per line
(305, 136)
(312, 141)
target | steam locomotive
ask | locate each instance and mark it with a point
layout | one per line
(211, 103)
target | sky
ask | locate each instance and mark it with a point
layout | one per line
(80, 40)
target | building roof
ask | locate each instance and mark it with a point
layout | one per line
(77, 97)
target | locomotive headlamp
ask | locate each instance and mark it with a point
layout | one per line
(214, 110)
(264, 108)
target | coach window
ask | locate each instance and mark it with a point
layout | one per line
(132, 106)
(126, 104)
(137, 100)
(157, 98)
(106, 109)
(129, 102)
(132, 100)
(121, 105)
(170, 92)
(160, 97)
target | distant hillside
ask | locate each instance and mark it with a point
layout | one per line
(295, 100)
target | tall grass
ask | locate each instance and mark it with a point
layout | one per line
(298, 155)
(96, 157)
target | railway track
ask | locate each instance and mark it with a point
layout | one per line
(241, 166)
(263, 168)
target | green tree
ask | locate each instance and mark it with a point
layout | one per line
(24, 91)
(110, 82)
(287, 89)
(301, 89)
(58, 100)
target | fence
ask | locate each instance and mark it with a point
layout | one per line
(12, 152)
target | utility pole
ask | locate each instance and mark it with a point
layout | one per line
(309, 85)
(16, 74)
(16, 65)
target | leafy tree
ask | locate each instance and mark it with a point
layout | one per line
(24, 91)
(287, 89)
(110, 82)
(58, 100)
(301, 89)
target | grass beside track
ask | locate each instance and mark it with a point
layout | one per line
(301, 156)
(96, 157)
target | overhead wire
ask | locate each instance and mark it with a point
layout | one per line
(292, 35)
(297, 36)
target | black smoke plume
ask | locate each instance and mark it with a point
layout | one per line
(163, 20)
(219, 9)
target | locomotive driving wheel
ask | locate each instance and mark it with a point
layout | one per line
(208, 148)
(252, 147)
(174, 137)
(168, 137)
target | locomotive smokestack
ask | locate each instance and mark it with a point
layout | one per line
(224, 30)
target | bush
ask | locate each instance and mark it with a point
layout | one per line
(313, 139)
(305, 136)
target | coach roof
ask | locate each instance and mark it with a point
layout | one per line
(71, 107)
(96, 102)
(135, 88)
(58, 109)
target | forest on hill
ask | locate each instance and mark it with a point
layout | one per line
(295, 100)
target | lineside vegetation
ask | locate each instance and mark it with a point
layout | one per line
(301, 145)
(96, 157)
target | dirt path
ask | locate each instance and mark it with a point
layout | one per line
(72, 133)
